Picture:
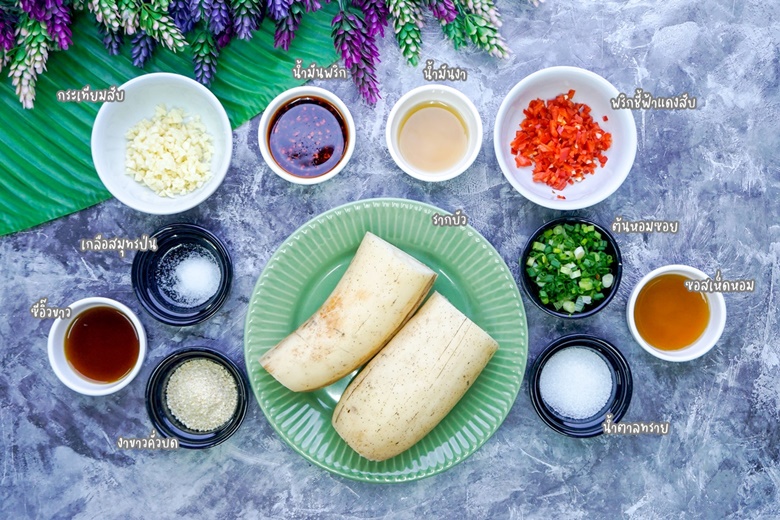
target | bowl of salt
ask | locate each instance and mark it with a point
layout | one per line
(187, 279)
(578, 381)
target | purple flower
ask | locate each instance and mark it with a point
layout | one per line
(195, 9)
(35, 8)
(248, 14)
(225, 36)
(143, 47)
(364, 76)
(375, 15)
(359, 52)
(286, 27)
(55, 14)
(112, 40)
(181, 13)
(279, 9)
(8, 22)
(443, 10)
(311, 5)
(218, 15)
(58, 23)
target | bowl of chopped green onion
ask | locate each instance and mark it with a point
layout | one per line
(571, 267)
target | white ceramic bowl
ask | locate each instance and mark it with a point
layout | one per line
(711, 334)
(142, 95)
(594, 91)
(284, 98)
(444, 94)
(65, 371)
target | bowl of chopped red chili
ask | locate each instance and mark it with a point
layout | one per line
(560, 143)
(571, 267)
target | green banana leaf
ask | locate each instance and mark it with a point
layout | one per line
(46, 168)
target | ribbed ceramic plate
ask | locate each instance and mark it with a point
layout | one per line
(301, 275)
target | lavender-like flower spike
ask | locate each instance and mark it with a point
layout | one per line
(364, 76)
(347, 38)
(179, 11)
(407, 21)
(217, 14)
(128, 15)
(225, 36)
(112, 40)
(480, 25)
(248, 14)
(455, 31)
(279, 9)
(58, 23)
(485, 9)
(155, 22)
(359, 52)
(55, 16)
(286, 27)
(204, 56)
(374, 14)
(30, 57)
(106, 12)
(312, 5)
(8, 22)
(143, 47)
(35, 8)
(196, 10)
(443, 10)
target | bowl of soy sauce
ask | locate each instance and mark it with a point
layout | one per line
(98, 346)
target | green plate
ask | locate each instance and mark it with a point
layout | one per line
(304, 271)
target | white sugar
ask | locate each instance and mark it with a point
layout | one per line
(190, 278)
(576, 382)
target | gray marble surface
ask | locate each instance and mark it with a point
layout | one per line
(714, 169)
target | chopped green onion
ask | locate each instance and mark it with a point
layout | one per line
(570, 266)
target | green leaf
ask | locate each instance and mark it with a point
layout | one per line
(46, 166)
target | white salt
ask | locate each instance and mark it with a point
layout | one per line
(576, 382)
(190, 278)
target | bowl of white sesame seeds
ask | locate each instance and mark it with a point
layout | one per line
(197, 396)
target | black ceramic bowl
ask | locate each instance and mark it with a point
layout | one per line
(617, 404)
(532, 290)
(171, 240)
(165, 422)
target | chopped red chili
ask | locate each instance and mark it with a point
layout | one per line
(561, 139)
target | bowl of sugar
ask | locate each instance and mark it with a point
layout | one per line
(187, 279)
(578, 381)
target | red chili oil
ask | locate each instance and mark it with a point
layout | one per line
(308, 137)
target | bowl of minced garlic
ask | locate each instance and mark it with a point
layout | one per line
(197, 396)
(164, 149)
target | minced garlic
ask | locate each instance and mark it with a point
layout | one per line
(202, 394)
(168, 154)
